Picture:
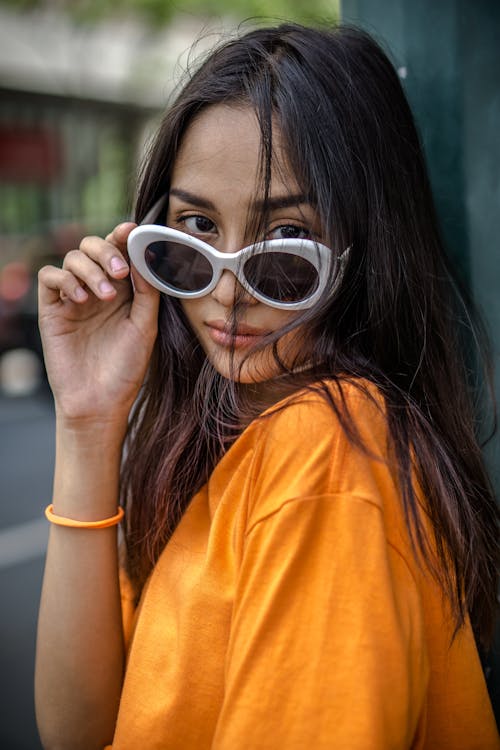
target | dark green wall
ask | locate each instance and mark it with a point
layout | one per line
(448, 54)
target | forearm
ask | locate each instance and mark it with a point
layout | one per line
(80, 657)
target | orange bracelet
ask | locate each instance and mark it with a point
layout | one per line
(73, 524)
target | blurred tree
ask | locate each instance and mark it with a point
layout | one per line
(161, 11)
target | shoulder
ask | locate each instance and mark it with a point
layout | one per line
(329, 439)
(324, 410)
(325, 421)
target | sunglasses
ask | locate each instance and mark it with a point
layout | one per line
(288, 274)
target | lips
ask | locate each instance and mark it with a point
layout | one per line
(240, 337)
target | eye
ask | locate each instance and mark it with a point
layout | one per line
(289, 232)
(198, 225)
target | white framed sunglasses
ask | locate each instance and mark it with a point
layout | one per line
(287, 274)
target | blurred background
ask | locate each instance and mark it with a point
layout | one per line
(82, 86)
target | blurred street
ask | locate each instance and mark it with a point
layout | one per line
(26, 464)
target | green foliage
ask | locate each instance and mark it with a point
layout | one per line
(23, 4)
(161, 11)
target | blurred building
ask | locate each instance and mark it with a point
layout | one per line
(75, 101)
(77, 104)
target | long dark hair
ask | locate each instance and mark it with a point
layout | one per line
(399, 319)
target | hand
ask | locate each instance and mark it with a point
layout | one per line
(97, 328)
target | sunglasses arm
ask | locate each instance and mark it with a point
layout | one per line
(152, 215)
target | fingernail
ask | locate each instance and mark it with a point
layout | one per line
(105, 287)
(117, 264)
(80, 293)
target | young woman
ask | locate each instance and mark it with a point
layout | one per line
(274, 390)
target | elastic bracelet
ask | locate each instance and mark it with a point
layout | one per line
(73, 524)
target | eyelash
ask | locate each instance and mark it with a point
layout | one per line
(288, 225)
(184, 219)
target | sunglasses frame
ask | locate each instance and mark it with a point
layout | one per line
(320, 256)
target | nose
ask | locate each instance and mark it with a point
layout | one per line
(229, 291)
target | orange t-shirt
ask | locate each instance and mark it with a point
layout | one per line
(288, 610)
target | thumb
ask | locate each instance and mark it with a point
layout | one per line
(119, 235)
(145, 304)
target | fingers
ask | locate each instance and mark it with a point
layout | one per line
(93, 269)
(55, 284)
(109, 254)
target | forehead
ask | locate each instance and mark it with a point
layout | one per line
(221, 149)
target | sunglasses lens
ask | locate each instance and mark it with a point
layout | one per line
(281, 277)
(180, 266)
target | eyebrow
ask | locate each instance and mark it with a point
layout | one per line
(276, 202)
(195, 200)
(282, 201)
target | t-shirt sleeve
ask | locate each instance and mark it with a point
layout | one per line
(327, 647)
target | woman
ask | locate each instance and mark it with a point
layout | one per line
(310, 537)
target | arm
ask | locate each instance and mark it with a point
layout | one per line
(79, 664)
(96, 348)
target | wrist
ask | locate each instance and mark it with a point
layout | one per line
(100, 432)
(87, 469)
(80, 523)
